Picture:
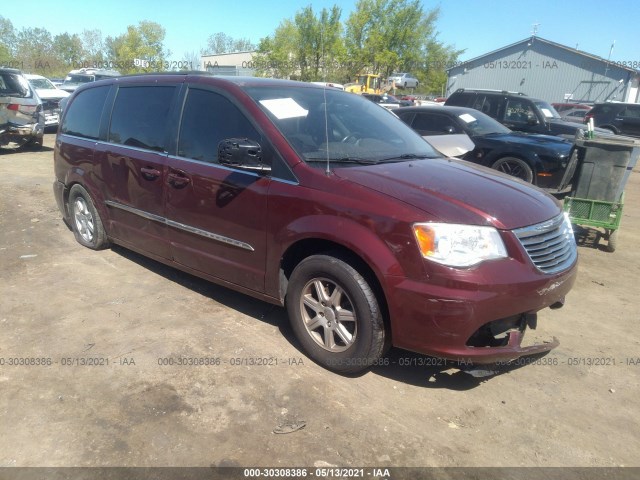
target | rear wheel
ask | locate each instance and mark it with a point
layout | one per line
(335, 314)
(85, 220)
(515, 167)
(612, 243)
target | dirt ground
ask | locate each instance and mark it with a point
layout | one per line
(78, 310)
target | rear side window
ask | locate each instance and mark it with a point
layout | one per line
(209, 118)
(434, 125)
(631, 112)
(83, 116)
(459, 100)
(140, 115)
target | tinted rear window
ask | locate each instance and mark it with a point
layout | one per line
(140, 116)
(459, 99)
(14, 85)
(83, 116)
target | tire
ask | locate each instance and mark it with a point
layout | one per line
(335, 314)
(35, 144)
(515, 167)
(612, 243)
(85, 220)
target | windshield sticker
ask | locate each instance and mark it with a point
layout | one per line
(284, 108)
(547, 113)
(467, 118)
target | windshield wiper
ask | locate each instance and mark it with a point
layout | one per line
(406, 156)
(361, 161)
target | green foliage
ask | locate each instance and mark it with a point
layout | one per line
(380, 36)
(141, 42)
(222, 43)
(310, 47)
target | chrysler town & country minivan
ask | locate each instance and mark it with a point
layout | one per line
(319, 200)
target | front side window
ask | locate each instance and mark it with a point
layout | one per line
(426, 124)
(83, 115)
(519, 111)
(140, 116)
(207, 119)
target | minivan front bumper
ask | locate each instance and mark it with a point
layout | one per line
(479, 317)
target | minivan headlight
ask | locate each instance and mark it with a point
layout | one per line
(458, 245)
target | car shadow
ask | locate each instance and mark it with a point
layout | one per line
(399, 365)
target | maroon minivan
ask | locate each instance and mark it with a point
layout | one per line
(319, 200)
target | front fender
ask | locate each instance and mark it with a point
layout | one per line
(378, 254)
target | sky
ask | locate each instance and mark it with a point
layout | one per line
(475, 26)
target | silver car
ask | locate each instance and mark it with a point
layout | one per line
(403, 80)
(21, 114)
(50, 96)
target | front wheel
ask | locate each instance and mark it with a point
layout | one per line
(335, 314)
(514, 167)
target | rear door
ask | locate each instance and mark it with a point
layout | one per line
(134, 166)
(216, 215)
(629, 120)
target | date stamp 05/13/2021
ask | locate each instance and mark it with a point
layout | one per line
(128, 360)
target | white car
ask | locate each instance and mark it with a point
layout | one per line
(339, 86)
(403, 80)
(50, 96)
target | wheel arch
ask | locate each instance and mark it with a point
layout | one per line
(532, 160)
(363, 261)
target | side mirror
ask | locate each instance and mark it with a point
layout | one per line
(532, 120)
(449, 129)
(242, 153)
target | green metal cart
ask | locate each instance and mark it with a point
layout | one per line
(597, 213)
(597, 197)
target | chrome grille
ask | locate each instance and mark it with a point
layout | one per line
(550, 245)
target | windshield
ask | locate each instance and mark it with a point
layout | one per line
(42, 83)
(78, 79)
(478, 124)
(547, 110)
(14, 85)
(323, 124)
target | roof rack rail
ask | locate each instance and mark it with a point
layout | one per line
(493, 90)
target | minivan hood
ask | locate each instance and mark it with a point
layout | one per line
(456, 191)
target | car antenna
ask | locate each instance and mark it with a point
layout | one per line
(324, 94)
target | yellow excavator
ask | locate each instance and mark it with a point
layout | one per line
(367, 83)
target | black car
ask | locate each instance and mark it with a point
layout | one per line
(539, 159)
(622, 118)
(516, 111)
(386, 100)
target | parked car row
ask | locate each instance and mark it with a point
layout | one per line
(538, 159)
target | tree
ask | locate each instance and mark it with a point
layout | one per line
(397, 35)
(67, 48)
(34, 50)
(439, 58)
(190, 61)
(222, 43)
(275, 55)
(93, 46)
(309, 47)
(7, 41)
(142, 42)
